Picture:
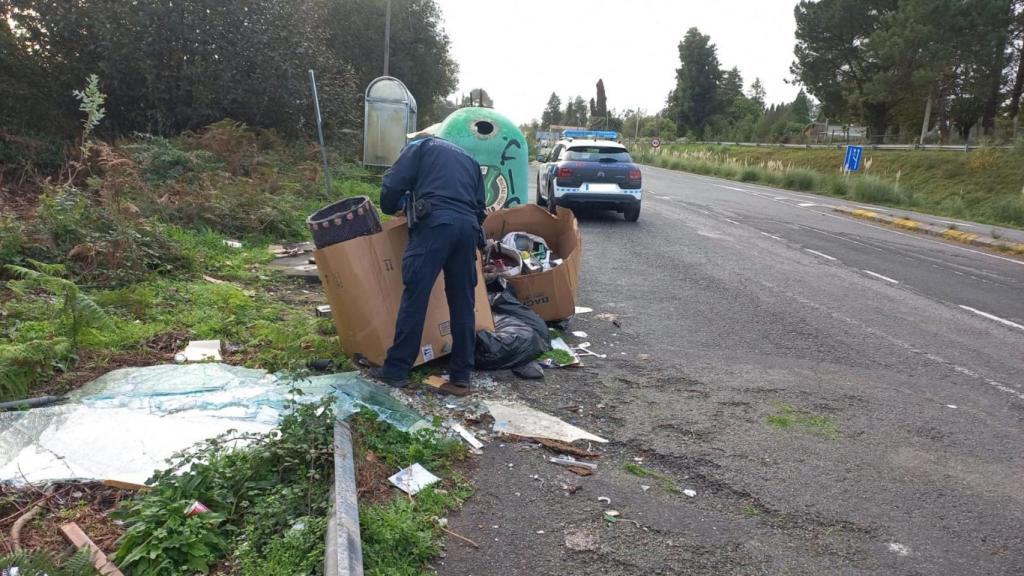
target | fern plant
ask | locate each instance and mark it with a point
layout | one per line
(77, 308)
(40, 563)
(23, 363)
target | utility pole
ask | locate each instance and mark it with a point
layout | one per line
(927, 117)
(636, 134)
(387, 37)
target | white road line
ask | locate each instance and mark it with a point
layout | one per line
(732, 221)
(780, 198)
(879, 276)
(771, 236)
(822, 254)
(1003, 321)
(731, 188)
(957, 223)
(806, 204)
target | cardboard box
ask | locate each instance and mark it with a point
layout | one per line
(363, 281)
(551, 294)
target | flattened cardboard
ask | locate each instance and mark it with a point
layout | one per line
(551, 294)
(363, 281)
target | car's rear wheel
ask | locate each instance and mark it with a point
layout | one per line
(631, 213)
(550, 201)
(541, 201)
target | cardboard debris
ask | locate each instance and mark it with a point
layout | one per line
(201, 351)
(75, 535)
(467, 436)
(549, 293)
(521, 420)
(363, 281)
(413, 479)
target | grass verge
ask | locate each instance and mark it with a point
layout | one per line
(984, 185)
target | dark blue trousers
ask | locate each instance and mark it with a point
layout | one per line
(448, 245)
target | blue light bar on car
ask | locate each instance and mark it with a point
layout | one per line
(595, 134)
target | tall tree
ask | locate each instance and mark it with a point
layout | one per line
(601, 102)
(697, 81)
(800, 109)
(420, 54)
(834, 60)
(757, 93)
(553, 112)
(580, 106)
(569, 116)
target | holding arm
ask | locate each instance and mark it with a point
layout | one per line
(399, 179)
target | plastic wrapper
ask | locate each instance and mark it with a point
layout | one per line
(125, 424)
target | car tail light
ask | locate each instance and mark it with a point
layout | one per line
(634, 174)
(565, 172)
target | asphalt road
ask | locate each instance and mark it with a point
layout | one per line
(897, 358)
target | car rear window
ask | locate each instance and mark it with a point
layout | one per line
(597, 154)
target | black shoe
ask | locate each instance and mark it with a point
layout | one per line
(467, 383)
(378, 374)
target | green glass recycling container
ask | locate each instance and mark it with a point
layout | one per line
(500, 148)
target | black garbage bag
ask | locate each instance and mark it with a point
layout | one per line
(519, 336)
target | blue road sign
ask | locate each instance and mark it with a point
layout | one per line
(853, 156)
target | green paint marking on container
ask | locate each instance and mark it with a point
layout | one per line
(500, 148)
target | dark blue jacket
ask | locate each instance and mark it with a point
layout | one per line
(438, 171)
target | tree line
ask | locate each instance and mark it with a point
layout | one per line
(173, 65)
(906, 66)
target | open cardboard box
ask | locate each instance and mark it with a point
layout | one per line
(551, 294)
(363, 281)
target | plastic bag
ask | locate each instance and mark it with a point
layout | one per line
(519, 336)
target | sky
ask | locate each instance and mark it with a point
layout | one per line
(521, 51)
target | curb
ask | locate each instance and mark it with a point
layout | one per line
(939, 231)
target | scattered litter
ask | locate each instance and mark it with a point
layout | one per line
(583, 310)
(467, 436)
(579, 334)
(690, 492)
(77, 537)
(126, 423)
(200, 351)
(413, 479)
(213, 280)
(564, 448)
(556, 360)
(570, 461)
(323, 311)
(520, 420)
(529, 371)
(37, 402)
(643, 356)
(612, 516)
(607, 316)
(950, 405)
(645, 487)
(195, 509)
(584, 350)
(604, 499)
(900, 549)
(442, 384)
(232, 243)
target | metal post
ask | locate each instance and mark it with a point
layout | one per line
(387, 38)
(320, 133)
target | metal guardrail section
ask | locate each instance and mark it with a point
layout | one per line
(344, 552)
(840, 146)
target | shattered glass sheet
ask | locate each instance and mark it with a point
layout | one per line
(125, 424)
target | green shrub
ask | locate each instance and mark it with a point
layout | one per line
(1009, 210)
(751, 174)
(727, 171)
(800, 179)
(875, 190)
(838, 186)
(676, 164)
(12, 239)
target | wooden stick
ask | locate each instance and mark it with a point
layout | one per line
(460, 537)
(73, 533)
